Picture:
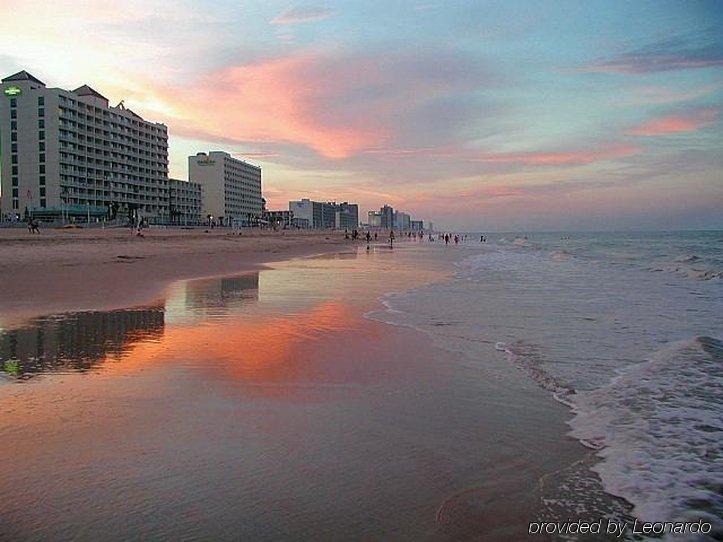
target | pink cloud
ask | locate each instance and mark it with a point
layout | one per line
(337, 105)
(676, 124)
(561, 158)
(302, 15)
(277, 100)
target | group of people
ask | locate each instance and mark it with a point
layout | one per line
(33, 226)
(446, 237)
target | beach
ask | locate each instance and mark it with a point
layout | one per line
(64, 270)
(333, 391)
(265, 405)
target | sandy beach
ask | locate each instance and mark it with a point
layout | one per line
(261, 404)
(78, 269)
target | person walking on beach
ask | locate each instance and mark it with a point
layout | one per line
(446, 238)
(391, 238)
(375, 236)
(456, 239)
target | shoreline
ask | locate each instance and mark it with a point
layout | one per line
(83, 270)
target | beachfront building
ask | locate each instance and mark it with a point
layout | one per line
(402, 221)
(374, 219)
(416, 225)
(69, 154)
(284, 219)
(326, 214)
(184, 202)
(386, 217)
(311, 211)
(346, 215)
(231, 188)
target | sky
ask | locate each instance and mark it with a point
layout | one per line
(475, 115)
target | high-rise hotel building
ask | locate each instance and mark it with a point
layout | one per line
(69, 153)
(231, 187)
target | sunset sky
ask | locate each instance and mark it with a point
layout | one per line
(476, 115)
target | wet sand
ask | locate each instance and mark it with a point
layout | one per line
(267, 407)
(75, 270)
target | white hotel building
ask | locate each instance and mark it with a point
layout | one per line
(70, 153)
(231, 187)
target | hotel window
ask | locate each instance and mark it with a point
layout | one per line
(15, 181)
(15, 159)
(15, 170)
(41, 157)
(13, 113)
(41, 100)
(41, 146)
(14, 147)
(14, 136)
(16, 205)
(41, 112)
(42, 191)
(13, 125)
(41, 168)
(41, 124)
(41, 134)
(13, 102)
(15, 192)
(42, 202)
(42, 180)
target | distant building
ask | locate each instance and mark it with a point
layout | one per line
(326, 214)
(387, 217)
(346, 215)
(374, 219)
(284, 219)
(184, 202)
(231, 187)
(402, 221)
(311, 211)
(417, 225)
(71, 154)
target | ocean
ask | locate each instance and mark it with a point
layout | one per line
(625, 329)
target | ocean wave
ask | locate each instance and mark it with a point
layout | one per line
(660, 425)
(525, 357)
(578, 323)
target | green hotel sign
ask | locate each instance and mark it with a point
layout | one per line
(13, 91)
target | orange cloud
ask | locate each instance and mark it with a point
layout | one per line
(676, 124)
(560, 158)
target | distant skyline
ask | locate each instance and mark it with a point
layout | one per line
(490, 116)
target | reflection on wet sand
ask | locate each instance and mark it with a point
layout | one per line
(212, 297)
(240, 345)
(76, 341)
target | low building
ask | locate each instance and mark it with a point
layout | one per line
(300, 223)
(284, 219)
(417, 225)
(185, 202)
